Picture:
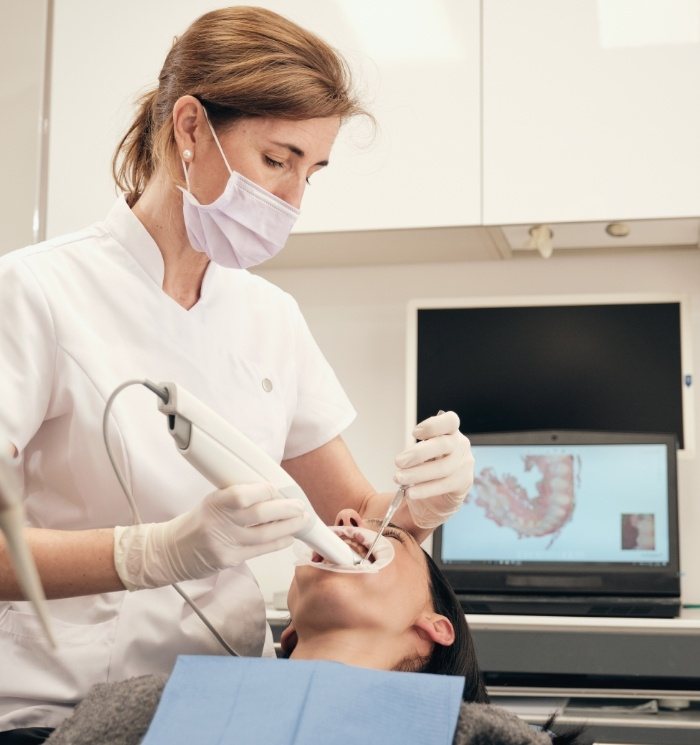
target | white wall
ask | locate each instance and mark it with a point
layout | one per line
(358, 316)
(22, 43)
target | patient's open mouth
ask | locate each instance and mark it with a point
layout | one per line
(359, 540)
(357, 544)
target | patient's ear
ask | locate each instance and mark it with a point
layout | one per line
(436, 628)
(288, 640)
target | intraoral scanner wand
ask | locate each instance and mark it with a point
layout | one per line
(225, 456)
(12, 525)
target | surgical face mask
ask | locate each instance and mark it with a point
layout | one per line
(382, 556)
(245, 226)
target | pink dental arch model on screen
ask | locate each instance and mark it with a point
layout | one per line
(507, 503)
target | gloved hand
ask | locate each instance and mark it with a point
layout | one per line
(438, 470)
(228, 527)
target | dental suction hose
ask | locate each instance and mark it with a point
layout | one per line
(12, 525)
(225, 456)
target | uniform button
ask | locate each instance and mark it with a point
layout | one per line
(267, 385)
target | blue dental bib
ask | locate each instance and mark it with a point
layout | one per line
(288, 702)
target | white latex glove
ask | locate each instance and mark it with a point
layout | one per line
(228, 527)
(438, 470)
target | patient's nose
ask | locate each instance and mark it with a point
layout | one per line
(348, 518)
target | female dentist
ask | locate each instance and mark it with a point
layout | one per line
(213, 171)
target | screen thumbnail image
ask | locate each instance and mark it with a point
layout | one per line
(638, 532)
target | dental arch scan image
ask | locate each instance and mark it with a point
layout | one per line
(543, 503)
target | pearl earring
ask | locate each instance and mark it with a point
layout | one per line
(186, 154)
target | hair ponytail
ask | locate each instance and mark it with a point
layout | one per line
(132, 165)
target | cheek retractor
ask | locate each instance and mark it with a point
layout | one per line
(383, 552)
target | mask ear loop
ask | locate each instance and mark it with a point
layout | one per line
(216, 140)
(218, 144)
(187, 177)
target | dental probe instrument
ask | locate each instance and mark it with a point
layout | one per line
(12, 525)
(225, 456)
(395, 503)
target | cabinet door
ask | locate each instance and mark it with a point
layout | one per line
(416, 64)
(591, 110)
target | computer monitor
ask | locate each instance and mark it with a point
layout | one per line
(566, 513)
(618, 363)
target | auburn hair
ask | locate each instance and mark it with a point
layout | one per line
(238, 62)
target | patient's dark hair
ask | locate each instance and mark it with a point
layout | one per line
(458, 658)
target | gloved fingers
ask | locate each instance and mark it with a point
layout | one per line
(430, 471)
(268, 511)
(459, 455)
(258, 535)
(243, 553)
(240, 496)
(453, 486)
(440, 424)
(425, 450)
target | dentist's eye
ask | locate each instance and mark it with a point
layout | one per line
(273, 163)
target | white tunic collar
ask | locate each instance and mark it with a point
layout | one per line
(131, 234)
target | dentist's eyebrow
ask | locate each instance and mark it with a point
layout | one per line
(298, 151)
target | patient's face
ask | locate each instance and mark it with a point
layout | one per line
(384, 602)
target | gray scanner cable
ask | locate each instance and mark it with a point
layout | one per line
(135, 515)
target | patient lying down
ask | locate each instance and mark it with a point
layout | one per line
(404, 617)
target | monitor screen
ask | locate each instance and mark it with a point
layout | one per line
(564, 504)
(614, 366)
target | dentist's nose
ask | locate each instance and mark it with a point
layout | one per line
(349, 518)
(291, 193)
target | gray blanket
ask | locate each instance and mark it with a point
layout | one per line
(120, 713)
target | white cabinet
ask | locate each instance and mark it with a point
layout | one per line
(591, 110)
(416, 63)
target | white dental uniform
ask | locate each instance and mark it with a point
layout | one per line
(78, 316)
